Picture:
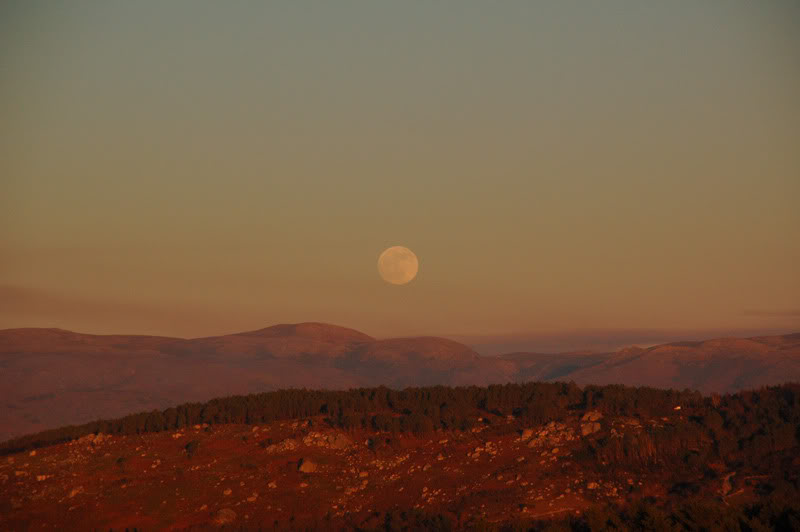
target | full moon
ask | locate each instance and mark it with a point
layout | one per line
(398, 265)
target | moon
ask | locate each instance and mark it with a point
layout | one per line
(398, 265)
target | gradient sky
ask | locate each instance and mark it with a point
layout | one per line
(195, 168)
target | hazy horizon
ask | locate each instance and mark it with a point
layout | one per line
(194, 168)
(548, 342)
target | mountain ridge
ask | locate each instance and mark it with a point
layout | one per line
(55, 377)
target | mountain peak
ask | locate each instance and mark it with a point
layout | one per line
(323, 332)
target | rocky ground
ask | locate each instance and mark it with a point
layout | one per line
(303, 473)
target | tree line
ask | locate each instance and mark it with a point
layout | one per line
(745, 426)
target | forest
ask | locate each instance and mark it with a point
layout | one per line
(744, 427)
(772, 513)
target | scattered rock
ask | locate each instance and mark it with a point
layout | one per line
(527, 434)
(75, 491)
(224, 516)
(227, 491)
(252, 497)
(272, 485)
(32, 453)
(363, 474)
(552, 435)
(289, 444)
(592, 486)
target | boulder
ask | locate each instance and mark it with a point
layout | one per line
(526, 434)
(339, 441)
(593, 415)
(224, 516)
(589, 428)
(306, 465)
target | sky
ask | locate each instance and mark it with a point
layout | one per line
(198, 168)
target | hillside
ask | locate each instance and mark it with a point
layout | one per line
(719, 365)
(523, 455)
(53, 377)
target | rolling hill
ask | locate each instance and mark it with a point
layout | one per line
(53, 377)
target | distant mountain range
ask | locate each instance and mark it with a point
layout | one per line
(53, 377)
